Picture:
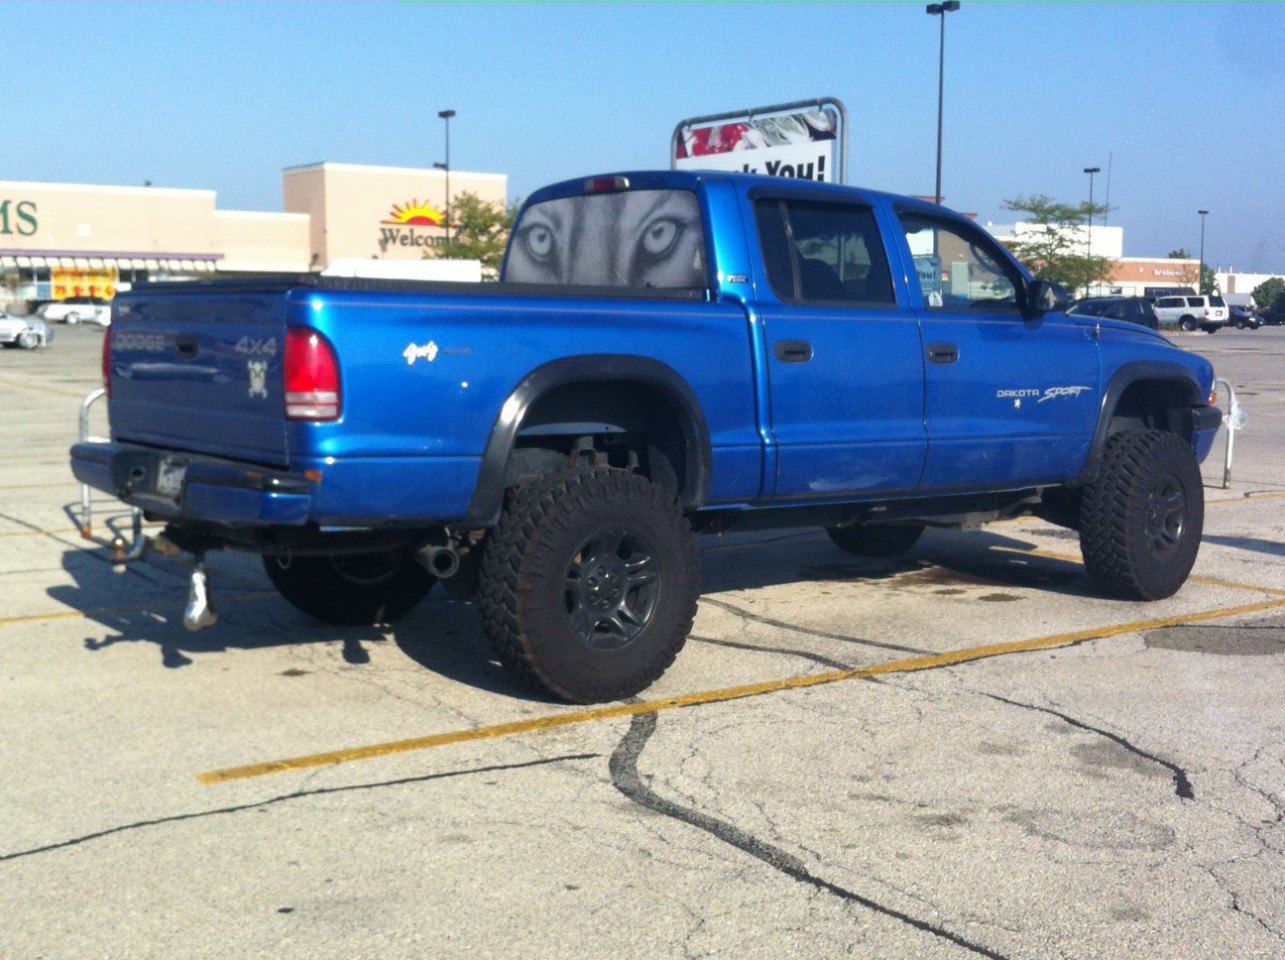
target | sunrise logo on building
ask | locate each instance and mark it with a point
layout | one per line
(415, 214)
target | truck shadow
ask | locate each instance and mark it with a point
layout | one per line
(143, 602)
(940, 560)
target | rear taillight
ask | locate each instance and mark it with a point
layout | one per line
(311, 376)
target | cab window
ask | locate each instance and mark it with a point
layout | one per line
(958, 268)
(823, 252)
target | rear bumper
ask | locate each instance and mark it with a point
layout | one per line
(175, 486)
(327, 491)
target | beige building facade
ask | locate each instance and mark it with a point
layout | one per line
(385, 213)
(61, 240)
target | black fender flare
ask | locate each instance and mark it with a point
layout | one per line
(488, 495)
(1121, 380)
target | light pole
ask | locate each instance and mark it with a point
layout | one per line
(446, 116)
(1088, 249)
(940, 10)
(1200, 285)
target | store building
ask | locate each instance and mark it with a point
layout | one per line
(60, 240)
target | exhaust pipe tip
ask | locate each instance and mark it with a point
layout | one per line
(441, 562)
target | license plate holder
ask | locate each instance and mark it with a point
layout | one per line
(170, 474)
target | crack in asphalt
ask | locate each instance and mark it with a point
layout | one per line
(786, 651)
(795, 628)
(1182, 785)
(297, 795)
(626, 779)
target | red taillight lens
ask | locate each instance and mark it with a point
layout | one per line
(311, 376)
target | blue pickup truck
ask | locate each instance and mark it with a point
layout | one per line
(666, 354)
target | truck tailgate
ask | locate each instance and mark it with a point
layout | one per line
(196, 373)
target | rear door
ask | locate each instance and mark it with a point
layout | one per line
(845, 378)
(1009, 401)
(199, 370)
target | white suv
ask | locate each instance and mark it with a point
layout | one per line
(78, 310)
(1192, 313)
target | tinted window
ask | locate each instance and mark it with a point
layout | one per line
(1217, 302)
(823, 252)
(638, 238)
(958, 268)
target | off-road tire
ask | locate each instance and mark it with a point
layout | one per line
(884, 541)
(1141, 520)
(351, 589)
(589, 584)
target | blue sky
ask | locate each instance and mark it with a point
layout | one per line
(1184, 102)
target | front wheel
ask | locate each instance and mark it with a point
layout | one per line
(1141, 520)
(589, 583)
(28, 340)
(351, 589)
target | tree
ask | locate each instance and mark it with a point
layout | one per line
(1053, 248)
(1208, 281)
(1269, 291)
(1189, 275)
(479, 231)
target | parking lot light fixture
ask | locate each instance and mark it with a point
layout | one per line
(1088, 246)
(446, 115)
(940, 10)
(1200, 282)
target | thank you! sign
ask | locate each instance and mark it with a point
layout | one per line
(805, 144)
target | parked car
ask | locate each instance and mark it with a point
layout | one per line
(1273, 315)
(24, 332)
(1137, 310)
(78, 310)
(1207, 313)
(1243, 318)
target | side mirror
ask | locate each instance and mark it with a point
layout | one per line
(1045, 296)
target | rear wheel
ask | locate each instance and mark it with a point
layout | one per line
(884, 541)
(351, 589)
(1141, 521)
(1187, 323)
(589, 584)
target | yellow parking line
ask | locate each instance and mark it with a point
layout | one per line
(716, 696)
(124, 608)
(1207, 581)
(1249, 497)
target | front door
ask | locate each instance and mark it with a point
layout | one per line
(1009, 400)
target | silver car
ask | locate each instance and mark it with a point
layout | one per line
(25, 332)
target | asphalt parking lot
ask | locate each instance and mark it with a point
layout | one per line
(962, 752)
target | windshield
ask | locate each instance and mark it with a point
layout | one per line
(639, 238)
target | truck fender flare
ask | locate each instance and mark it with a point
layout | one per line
(488, 495)
(1125, 377)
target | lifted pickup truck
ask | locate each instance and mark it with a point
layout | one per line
(667, 354)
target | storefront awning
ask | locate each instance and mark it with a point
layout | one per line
(180, 263)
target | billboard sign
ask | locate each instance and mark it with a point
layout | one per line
(805, 140)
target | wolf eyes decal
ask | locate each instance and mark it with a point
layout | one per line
(642, 238)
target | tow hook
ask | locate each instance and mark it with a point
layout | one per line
(200, 611)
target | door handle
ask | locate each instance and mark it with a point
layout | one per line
(793, 351)
(185, 345)
(943, 352)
